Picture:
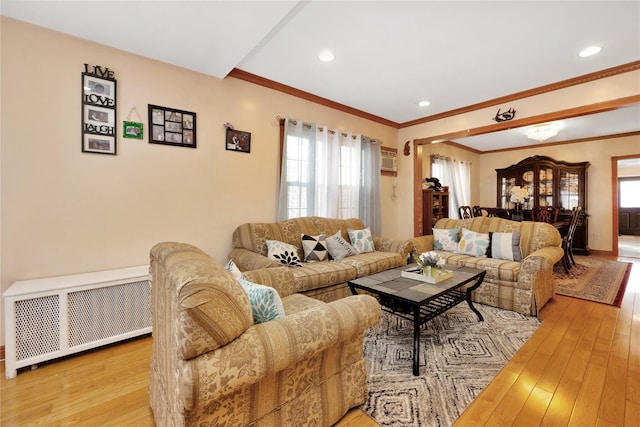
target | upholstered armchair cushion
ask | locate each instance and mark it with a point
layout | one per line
(213, 308)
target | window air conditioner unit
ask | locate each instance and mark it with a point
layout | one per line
(389, 160)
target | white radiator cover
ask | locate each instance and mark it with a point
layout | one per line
(56, 316)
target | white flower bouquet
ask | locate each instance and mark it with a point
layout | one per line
(518, 194)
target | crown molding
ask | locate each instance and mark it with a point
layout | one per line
(609, 72)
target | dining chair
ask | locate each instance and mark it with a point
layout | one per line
(477, 211)
(501, 213)
(465, 212)
(567, 239)
(547, 214)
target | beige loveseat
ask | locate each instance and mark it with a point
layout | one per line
(324, 280)
(525, 286)
(212, 366)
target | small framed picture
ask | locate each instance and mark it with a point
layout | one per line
(98, 91)
(132, 130)
(99, 144)
(170, 126)
(238, 140)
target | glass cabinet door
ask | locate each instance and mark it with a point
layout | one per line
(528, 183)
(569, 189)
(545, 186)
(506, 184)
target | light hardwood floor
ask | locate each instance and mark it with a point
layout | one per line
(580, 368)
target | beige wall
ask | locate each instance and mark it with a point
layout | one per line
(66, 212)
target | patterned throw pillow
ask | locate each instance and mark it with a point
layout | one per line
(446, 239)
(265, 301)
(315, 248)
(232, 268)
(472, 243)
(338, 247)
(506, 246)
(361, 240)
(284, 253)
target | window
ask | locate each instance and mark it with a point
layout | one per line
(329, 173)
(630, 193)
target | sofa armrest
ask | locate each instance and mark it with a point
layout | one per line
(270, 347)
(403, 247)
(422, 244)
(544, 257)
(247, 260)
(279, 278)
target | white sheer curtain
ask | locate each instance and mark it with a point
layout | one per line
(329, 173)
(297, 176)
(350, 173)
(327, 182)
(457, 176)
(370, 200)
(461, 174)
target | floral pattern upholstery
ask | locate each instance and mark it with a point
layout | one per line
(306, 368)
(324, 280)
(524, 287)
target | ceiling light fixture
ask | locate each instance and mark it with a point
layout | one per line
(326, 56)
(424, 103)
(591, 50)
(542, 132)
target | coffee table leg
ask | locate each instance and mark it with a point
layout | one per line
(416, 341)
(472, 288)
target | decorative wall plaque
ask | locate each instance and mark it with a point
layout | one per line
(98, 110)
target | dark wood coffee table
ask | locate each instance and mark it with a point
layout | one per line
(419, 301)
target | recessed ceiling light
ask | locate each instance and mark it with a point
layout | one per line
(326, 56)
(591, 50)
(424, 103)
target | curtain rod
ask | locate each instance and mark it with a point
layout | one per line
(321, 128)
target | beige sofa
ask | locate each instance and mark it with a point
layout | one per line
(211, 366)
(524, 287)
(325, 280)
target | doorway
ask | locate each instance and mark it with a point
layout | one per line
(627, 207)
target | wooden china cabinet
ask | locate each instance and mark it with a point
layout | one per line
(549, 182)
(435, 206)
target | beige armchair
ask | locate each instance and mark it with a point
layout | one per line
(211, 366)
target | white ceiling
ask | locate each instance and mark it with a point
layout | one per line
(389, 54)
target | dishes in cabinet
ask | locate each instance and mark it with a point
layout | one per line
(527, 176)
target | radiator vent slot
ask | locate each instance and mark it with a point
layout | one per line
(57, 316)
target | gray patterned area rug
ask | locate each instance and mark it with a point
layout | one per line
(459, 357)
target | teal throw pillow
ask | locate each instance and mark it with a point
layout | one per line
(265, 301)
(473, 244)
(445, 239)
(361, 240)
(338, 247)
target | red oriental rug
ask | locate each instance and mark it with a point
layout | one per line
(594, 280)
